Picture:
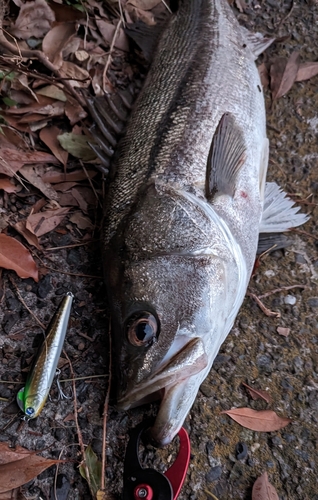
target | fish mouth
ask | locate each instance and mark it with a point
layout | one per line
(171, 381)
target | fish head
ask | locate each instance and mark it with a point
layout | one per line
(172, 303)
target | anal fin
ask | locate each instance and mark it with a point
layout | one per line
(226, 157)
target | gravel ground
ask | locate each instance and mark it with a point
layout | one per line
(253, 353)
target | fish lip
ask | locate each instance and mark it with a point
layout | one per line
(168, 374)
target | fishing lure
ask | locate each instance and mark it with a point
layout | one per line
(33, 396)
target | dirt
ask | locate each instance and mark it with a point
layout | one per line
(253, 353)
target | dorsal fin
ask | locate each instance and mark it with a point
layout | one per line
(226, 157)
(145, 36)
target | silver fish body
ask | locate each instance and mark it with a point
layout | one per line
(183, 210)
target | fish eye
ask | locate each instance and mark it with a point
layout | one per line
(142, 329)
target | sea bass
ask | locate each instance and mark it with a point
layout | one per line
(184, 209)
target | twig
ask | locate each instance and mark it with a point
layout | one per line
(167, 6)
(79, 433)
(105, 412)
(24, 304)
(38, 54)
(300, 231)
(282, 289)
(109, 58)
(51, 249)
(211, 494)
(265, 310)
(90, 182)
(286, 17)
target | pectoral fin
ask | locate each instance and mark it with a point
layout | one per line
(226, 157)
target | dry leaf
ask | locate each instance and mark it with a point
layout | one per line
(55, 177)
(34, 174)
(22, 228)
(49, 136)
(263, 421)
(81, 221)
(78, 77)
(283, 75)
(263, 490)
(283, 331)
(77, 145)
(44, 222)
(34, 20)
(13, 255)
(6, 185)
(306, 70)
(21, 471)
(241, 5)
(258, 393)
(53, 92)
(107, 31)
(144, 4)
(8, 454)
(55, 40)
(74, 110)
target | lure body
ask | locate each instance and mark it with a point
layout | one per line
(33, 396)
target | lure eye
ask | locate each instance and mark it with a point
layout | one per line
(29, 411)
(142, 329)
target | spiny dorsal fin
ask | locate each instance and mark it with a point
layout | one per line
(227, 155)
(257, 42)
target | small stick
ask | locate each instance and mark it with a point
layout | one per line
(109, 58)
(265, 310)
(282, 289)
(105, 412)
(24, 304)
(51, 249)
(79, 433)
(90, 182)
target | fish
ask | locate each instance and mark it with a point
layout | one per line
(32, 398)
(184, 209)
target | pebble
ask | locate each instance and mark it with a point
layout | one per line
(241, 451)
(9, 321)
(313, 302)
(44, 287)
(290, 299)
(213, 474)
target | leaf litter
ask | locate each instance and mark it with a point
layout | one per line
(262, 421)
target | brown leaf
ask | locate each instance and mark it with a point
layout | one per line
(263, 490)
(15, 474)
(263, 421)
(263, 74)
(74, 110)
(21, 227)
(34, 174)
(35, 19)
(6, 185)
(78, 76)
(283, 331)
(44, 222)
(55, 40)
(53, 92)
(8, 454)
(55, 177)
(107, 31)
(258, 393)
(49, 136)
(81, 221)
(13, 255)
(306, 70)
(283, 74)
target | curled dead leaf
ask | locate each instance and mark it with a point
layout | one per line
(49, 136)
(306, 71)
(55, 41)
(263, 490)
(257, 393)
(14, 256)
(35, 19)
(262, 421)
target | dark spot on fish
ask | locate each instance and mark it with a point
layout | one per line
(243, 194)
(259, 88)
(244, 45)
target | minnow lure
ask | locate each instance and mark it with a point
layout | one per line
(33, 396)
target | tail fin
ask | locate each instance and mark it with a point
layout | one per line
(279, 214)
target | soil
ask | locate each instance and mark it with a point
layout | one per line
(254, 352)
